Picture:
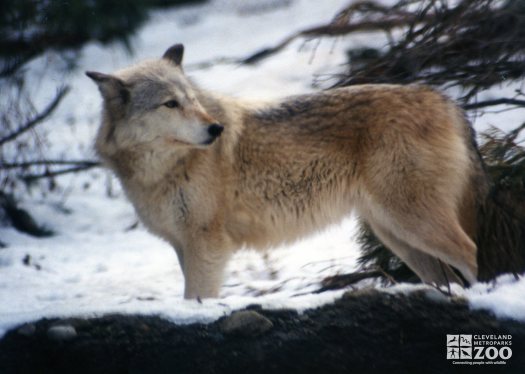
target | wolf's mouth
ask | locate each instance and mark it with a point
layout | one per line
(177, 142)
(171, 140)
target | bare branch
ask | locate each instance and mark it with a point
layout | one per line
(51, 174)
(27, 164)
(373, 17)
(501, 101)
(39, 118)
(328, 30)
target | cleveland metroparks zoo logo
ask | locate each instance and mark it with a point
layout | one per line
(467, 349)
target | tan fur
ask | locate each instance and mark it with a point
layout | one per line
(398, 155)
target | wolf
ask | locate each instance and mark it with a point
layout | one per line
(211, 174)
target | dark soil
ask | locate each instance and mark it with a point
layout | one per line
(364, 332)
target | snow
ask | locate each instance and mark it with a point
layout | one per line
(102, 262)
(97, 265)
(504, 297)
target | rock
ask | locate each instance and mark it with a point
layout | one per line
(21, 219)
(61, 332)
(361, 292)
(435, 295)
(247, 323)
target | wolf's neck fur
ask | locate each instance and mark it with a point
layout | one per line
(146, 166)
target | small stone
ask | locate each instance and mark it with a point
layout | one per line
(61, 332)
(28, 329)
(360, 292)
(435, 295)
(246, 323)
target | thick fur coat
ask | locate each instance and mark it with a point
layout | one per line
(212, 174)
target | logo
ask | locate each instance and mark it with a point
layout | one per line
(468, 349)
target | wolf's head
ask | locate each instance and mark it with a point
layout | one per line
(150, 103)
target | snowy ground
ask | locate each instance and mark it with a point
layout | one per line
(100, 263)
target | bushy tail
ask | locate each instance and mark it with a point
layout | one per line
(500, 205)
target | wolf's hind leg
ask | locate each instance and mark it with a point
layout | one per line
(438, 234)
(429, 269)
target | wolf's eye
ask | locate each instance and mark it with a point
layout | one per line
(172, 104)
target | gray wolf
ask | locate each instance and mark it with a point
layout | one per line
(212, 174)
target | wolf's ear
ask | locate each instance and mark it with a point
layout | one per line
(110, 87)
(174, 54)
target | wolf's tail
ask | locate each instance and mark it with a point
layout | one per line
(493, 213)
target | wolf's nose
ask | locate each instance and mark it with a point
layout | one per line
(215, 130)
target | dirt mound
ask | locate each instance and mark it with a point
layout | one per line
(363, 332)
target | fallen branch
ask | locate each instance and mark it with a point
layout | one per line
(340, 281)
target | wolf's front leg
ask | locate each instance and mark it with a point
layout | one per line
(203, 270)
